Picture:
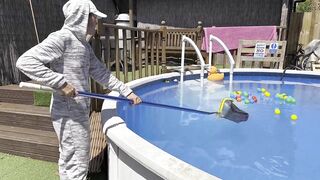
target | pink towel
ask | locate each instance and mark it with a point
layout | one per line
(231, 35)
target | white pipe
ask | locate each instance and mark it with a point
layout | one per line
(230, 58)
(35, 86)
(190, 41)
(210, 53)
(182, 61)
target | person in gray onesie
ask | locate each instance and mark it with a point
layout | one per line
(72, 63)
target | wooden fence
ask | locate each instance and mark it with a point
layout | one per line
(304, 27)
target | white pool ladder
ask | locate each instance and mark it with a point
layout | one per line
(202, 63)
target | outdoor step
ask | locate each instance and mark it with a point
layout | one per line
(14, 94)
(37, 144)
(25, 116)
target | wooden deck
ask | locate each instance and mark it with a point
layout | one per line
(26, 130)
(14, 94)
(28, 142)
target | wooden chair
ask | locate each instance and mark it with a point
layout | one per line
(316, 67)
(246, 59)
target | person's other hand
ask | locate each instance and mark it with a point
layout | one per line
(68, 90)
(136, 99)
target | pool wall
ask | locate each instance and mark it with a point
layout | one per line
(132, 157)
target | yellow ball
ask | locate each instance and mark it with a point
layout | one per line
(263, 90)
(294, 117)
(267, 94)
(277, 111)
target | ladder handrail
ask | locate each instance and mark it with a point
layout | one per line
(230, 57)
(190, 41)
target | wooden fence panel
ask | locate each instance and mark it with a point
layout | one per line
(295, 26)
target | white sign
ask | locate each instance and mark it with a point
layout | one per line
(260, 50)
(273, 48)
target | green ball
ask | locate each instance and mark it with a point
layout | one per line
(289, 100)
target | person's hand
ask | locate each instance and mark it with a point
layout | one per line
(136, 99)
(68, 90)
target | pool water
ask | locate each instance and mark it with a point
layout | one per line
(266, 146)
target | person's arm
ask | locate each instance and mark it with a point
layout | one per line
(103, 76)
(32, 63)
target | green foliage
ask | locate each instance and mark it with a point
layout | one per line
(304, 6)
(42, 98)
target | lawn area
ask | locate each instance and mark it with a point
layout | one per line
(21, 168)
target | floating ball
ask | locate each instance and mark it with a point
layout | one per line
(291, 100)
(239, 92)
(277, 111)
(238, 99)
(246, 101)
(294, 117)
(254, 98)
(267, 94)
(245, 94)
(233, 96)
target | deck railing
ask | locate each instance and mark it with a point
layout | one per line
(130, 52)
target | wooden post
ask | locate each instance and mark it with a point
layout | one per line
(131, 13)
(316, 25)
(306, 28)
(284, 22)
(315, 33)
(163, 29)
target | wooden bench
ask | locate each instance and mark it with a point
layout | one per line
(271, 60)
(173, 44)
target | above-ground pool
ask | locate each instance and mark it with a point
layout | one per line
(266, 146)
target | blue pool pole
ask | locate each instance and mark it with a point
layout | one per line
(101, 96)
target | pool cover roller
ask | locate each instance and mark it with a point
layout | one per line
(227, 109)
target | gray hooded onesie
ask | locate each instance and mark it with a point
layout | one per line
(71, 60)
